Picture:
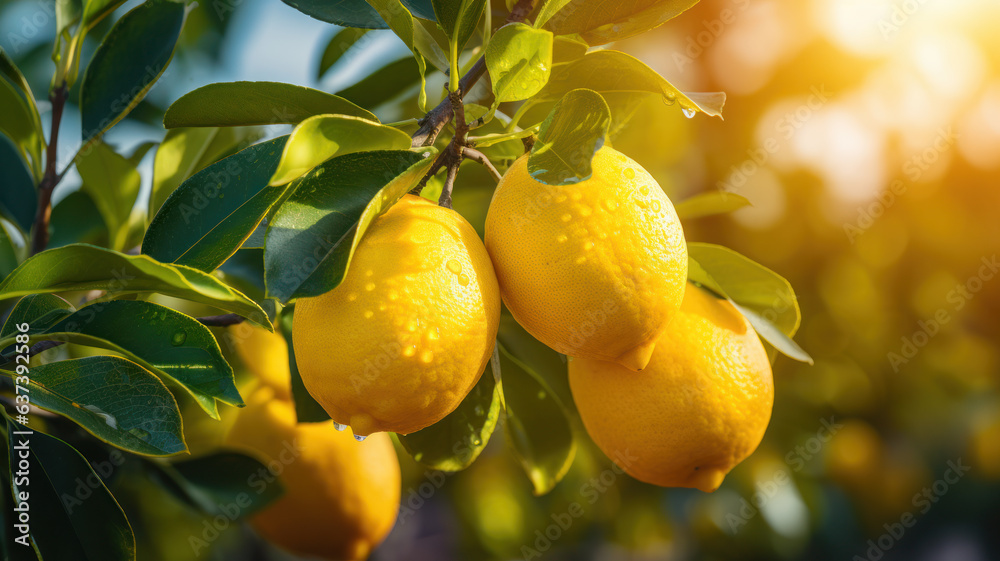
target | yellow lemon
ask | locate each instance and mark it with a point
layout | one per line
(405, 337)
(341, 496)
(697, 410)
(265, 355)
(595, 269)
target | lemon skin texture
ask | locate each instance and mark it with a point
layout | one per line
(699, 408)
(594, 269)
(406, 335)
(341, 496)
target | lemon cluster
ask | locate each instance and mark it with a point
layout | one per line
(662, 372)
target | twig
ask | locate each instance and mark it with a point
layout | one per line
(480, 158)
(51, 177)
(222, 321)
(439, 117)
(435, 167)
(449, 184)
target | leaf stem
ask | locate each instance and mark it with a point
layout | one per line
(497, 138)
(476, 156)
(40, 236)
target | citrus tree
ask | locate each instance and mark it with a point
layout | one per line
(122, 316)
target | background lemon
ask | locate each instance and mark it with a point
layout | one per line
(403, 339)
(341, 496)
(593, 269)
(697, 410)
(265, 355)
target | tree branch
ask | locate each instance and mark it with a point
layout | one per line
(40, 237)
(480, 158)
(438, 118)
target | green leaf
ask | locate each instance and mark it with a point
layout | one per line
(208, 217)
(355, 13)
(215, 481)
(76, 219)
(537, 425)
(21, 120)
(458, 18)
(166, 342)
(624, 80)
(140, 151)
(453, 443)
(603, 22)
(39, 311)
(18, 198)
(186, 151)
(415, 37)
(127, 63)
(114, 399)
(229, 104)
(307, 409)
(84, 267)
(319, 138)
(313, 235)
(113, 184)
(384, 84)
(710, 204)
(574, 130)
(10, 250)
(65, 522)
(340, 44)
(96, 10)
(519, 59)
(763, 296)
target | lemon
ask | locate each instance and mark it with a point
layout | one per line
(265, 355)
(594, 269)
(341, 496)
(406, 335)
(697, 410)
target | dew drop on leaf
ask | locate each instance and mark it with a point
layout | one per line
(178, 338)
(688, 112)
(541, 394)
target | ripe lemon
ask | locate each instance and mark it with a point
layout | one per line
(697, 410)
(341, 496)
(265, 355)
(405, 337)
(595, 269)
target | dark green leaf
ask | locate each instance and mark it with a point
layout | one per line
(229, 104)
(458, 18)
(208, 217)
(73, 515)
(84, 267)
(21, 120)
(519, 58)
(164, 341)
(307, 409)
(313, 235)
(186, 151)
(216, 481)
(765, 298)
(355, 13)
(319, 138)
(384, 84)
(340, 44)
(10, 250)
(114, 399)
(127, 63)
(18, 198)
(537, 425)
(39, 311)
(76, 219)
(113, 184)
(709, 204)
(453, 443)
(574, 130)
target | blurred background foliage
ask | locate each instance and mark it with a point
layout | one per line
(866, 133)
